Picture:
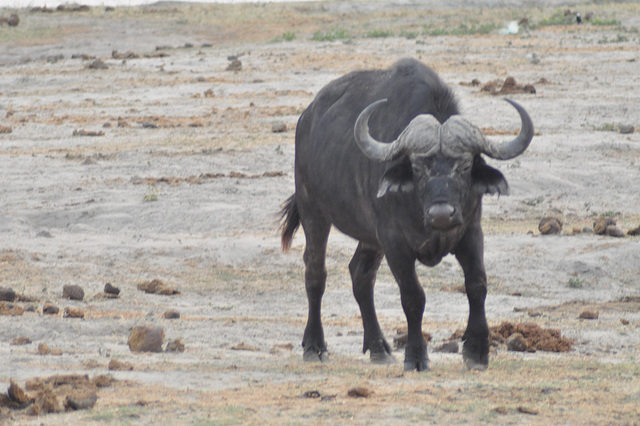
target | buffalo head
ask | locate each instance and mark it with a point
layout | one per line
(441, 162)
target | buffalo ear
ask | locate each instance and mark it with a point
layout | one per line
(397, 178)
(487, 180)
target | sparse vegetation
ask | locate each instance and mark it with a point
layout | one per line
(576, 283)
(332, 34)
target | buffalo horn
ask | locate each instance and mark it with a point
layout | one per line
(509, 150)
(371, 147)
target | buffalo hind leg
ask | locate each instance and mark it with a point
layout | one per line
(364, 267)
(475, 350)
(315, 277)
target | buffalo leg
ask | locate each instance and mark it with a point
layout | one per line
(316, 233)
(413, 302)
(475, 350)
(363, 267)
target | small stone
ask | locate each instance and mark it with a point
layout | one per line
(450, 347)
(278, 127)
(13, 20)
(11, 309)
(7, 294)
(175, 346)
(50, 309)
(81, 401)
(550, 225)
(22, 340)
(73, 292)
(601, 224)
(171, 314)
(590, 315)
(16, 393)
(158, 287)
(634, 231)
(43, 349)
(103, 381)
(614, 231)
(98, 64)
(111, 289)
(517, 343)
(626, 129)
(359, 392)
(146, 339)
(117, 365)
(71, 312)
(235, 65)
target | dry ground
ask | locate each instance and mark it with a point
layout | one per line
(185, 182)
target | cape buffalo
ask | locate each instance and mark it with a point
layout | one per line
(384, 157)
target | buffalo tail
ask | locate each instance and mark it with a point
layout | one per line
(289, 221)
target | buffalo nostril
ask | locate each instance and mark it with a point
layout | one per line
(441, 210)
(441, 215)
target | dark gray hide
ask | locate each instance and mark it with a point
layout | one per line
(418, 198)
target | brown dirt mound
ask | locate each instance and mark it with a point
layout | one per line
(538, 338)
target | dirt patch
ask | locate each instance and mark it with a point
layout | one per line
(177, 170)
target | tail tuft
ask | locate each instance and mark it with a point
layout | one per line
(289, 221)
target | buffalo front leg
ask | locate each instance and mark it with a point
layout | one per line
(364, 267)
(413, 302)
(469, 253)
(315, 277)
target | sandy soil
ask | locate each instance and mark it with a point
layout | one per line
(185, 177)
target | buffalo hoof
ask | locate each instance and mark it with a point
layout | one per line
(315, 356)
(422, 365)
(475, 362)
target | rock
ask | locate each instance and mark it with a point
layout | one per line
(98, 64)
(50, 309)
(7, 294)
(550, 225)
(614, 231)
(43, 349)
(634, 231)
(111, 289)
(244, 347)
(450, 347)
(11, 309)
(81, 401)
(116, 365)
(13, 20)
(601, 224)
(73, 292)
(626, 129)
(234, 65)
(517, 343)
(590, 315)
(71, 312)
(103, 381)
(156, 286)
(171, 314)
(16, 393)
(146, 339)
(22, 340)
(278, 127)
(175, 346)
(359, 392)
